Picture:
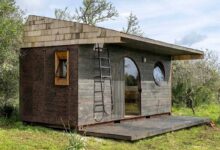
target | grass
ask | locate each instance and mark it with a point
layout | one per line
(14, 135)
(212, 111)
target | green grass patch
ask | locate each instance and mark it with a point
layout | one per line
(212, 111)
(14, 135)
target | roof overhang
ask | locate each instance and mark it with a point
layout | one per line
(45, 32)
(158, 47)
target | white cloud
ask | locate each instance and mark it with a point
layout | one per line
(211, 43)
(31, 4)
(45, 7)
(191, 38)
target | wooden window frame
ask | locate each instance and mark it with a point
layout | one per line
(61, 55)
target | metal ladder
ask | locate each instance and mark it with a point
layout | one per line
(105, 74)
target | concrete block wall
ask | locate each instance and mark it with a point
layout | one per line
(43, 31)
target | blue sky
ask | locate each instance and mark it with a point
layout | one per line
(192, 23)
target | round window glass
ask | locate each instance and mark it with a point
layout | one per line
(159, 73)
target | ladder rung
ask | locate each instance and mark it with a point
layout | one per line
(106, 76)
(98, 101)
(98, 91)
(103, 77)
(99, 81)
(105, 67)
(98, 105)
(100, 111)
(99, 77)
(103, 48)
(102, 58)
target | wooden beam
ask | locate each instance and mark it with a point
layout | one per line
(187, 57)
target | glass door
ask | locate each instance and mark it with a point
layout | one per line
(132, 88)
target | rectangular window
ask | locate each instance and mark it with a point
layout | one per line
(62, 68)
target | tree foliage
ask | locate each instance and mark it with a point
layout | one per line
(62, 14)
(10, 40)
(91, 12)
(201, 76)
(130, 80)
(95, 11)
(133, 26)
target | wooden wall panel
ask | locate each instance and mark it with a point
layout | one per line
(42, 101)
(154, 99)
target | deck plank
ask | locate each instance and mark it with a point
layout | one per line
(138, 129)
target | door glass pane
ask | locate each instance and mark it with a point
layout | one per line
(132, 86)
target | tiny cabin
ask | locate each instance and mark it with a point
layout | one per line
(78, 74)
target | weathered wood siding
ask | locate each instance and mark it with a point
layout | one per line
(154, 99)
(87, 70)
(40, 100)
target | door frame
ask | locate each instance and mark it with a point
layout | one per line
(139, 86)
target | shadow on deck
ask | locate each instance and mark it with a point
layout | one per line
(138, 129)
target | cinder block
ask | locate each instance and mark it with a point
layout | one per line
(38, 27)
(27, 27)
(88, 35)
(89, 28)
(59, 37)
(112, 40)
(55, 31)
(46, 32)
(79, 27)
(48, 25)
(64, 30)
(112, 33)
(67, 36)
(33, 33)
(25, 45)
(40, 22)
(30, 18)
(38, 44)
(55, 24)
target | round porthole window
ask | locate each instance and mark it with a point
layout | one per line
(158, 73)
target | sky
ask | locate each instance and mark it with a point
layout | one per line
(190, 23)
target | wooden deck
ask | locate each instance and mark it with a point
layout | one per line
(138, 129)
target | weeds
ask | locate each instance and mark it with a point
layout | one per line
(76, 142)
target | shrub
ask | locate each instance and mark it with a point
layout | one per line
(218, 120)
(76, 142)
(7, 111)
(201, 76)
(204, 95)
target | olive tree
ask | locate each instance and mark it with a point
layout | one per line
(133, 26)
(91, 12)
(200, 76)
(11, 23)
